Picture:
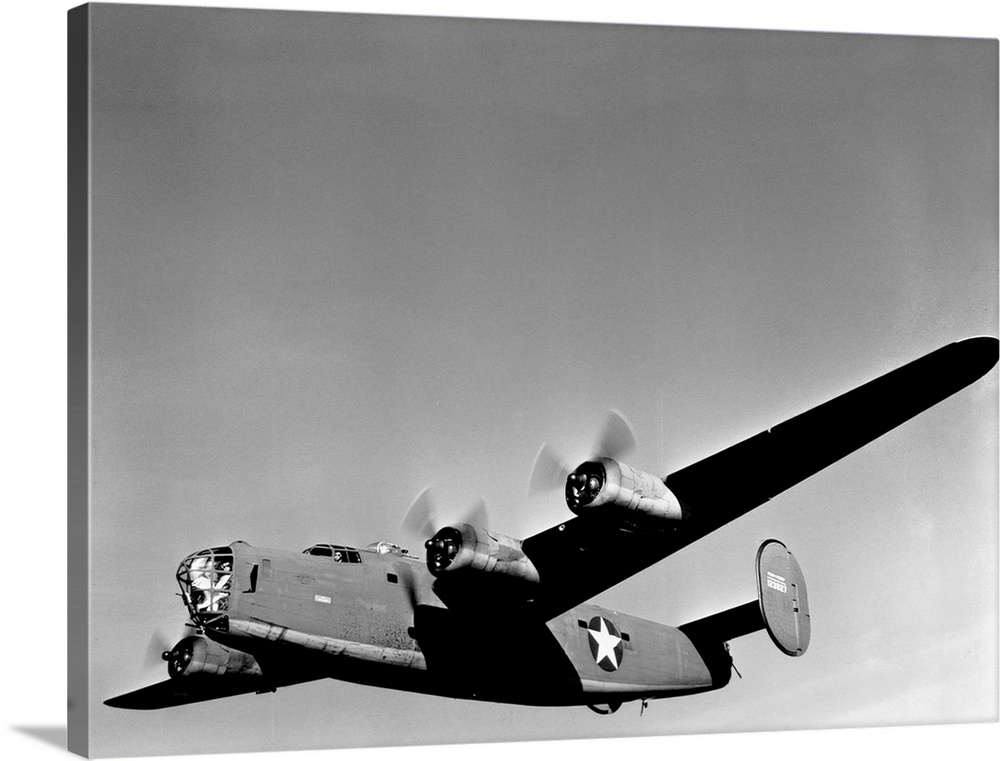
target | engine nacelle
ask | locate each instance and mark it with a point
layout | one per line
(611, 486)
(197, 655)
(465, 548)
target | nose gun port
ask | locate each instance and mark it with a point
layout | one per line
(205, 579)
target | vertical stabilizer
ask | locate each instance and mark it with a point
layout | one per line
(781, 590)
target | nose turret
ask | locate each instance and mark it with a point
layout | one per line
(205, 579)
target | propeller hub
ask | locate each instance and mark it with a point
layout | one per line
(180, 657)
(442, 548)
(584, 484)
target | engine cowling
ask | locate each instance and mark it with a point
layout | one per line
(607, 485)
(197, 655)
(465, 548)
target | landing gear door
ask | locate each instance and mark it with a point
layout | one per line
(784, 604)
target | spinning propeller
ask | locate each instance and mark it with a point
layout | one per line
(157, 647)
(409, 585)
(421, 517)
(162, 648)
(551, 469)
(421, 522)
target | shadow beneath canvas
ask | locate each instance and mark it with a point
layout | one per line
(50, 735)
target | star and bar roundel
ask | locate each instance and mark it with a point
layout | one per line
(606, 643)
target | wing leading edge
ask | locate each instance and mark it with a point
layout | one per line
(587, 555)
(194, 689)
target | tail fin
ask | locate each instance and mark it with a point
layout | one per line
(781, 607)
(784, 605)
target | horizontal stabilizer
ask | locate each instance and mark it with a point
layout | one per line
(729, 624)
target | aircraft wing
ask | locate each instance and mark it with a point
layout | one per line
(586, 555)
(178, 692)
(198, 689)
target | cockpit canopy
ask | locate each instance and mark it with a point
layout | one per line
(339, 553)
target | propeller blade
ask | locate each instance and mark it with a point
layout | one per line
(548, 472)
(550, 469)
(616, 438)
(409, 585)
(477, 515)
(158, 644)
(419, 519)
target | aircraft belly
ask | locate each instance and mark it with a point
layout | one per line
(360, 651)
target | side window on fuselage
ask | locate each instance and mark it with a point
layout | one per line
(253, 580)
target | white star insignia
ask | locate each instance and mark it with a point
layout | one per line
(607, 642)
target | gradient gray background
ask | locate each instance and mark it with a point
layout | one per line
(338, 258)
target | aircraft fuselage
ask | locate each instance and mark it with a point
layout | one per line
(375, 618)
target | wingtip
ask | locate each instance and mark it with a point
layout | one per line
(983, 352)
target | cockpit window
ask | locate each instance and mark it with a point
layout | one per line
(336, 552)
(205, 579)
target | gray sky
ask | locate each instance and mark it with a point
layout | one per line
(338, 258)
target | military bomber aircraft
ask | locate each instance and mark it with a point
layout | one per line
(267, 618)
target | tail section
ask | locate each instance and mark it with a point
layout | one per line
(781, 607)
(781, 592)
